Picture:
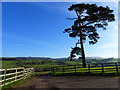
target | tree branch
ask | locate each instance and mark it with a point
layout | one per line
(89, 23)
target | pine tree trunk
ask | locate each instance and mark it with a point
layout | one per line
(81, 43)
(83, 53)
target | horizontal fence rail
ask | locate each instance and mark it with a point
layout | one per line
(11, 75)
(102, 68)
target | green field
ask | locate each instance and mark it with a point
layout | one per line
(8, 64)
(36, 63)
(61, 67)
(94, 70)
(17, 83)
(44, 66)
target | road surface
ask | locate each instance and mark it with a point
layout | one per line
(73, 82)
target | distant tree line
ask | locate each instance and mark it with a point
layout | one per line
(7, 59)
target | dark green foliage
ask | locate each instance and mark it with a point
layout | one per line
(90, 17)
(75, 51)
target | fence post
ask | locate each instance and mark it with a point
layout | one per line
(5, 76)
(15, 74)
(53, 70)
(24, 74)
(63, 69)
(89, 68)
(33, 72)
(28, 72)
(102, 68)
(75, 68)
(116, 67)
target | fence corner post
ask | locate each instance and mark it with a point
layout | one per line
(63, 69)
(75, 68)
(116, 67)
(102, 68)
(89, 68)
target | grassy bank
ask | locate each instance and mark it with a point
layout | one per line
(12, 85)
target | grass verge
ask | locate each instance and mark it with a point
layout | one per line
(7, 87)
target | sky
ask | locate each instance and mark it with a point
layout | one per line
(35, 29)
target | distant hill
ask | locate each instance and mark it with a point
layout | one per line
(25, 58)
(94, 58)
(60, 58)
(77, 59)
(33, 58)
(44, 58)
(88, 59)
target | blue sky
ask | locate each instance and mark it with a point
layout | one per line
(36, 29)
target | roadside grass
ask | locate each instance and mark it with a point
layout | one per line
(72, 73)
(12, 85)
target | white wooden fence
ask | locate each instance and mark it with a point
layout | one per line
(11, 75)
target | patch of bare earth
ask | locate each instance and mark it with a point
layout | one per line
(71, 82)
